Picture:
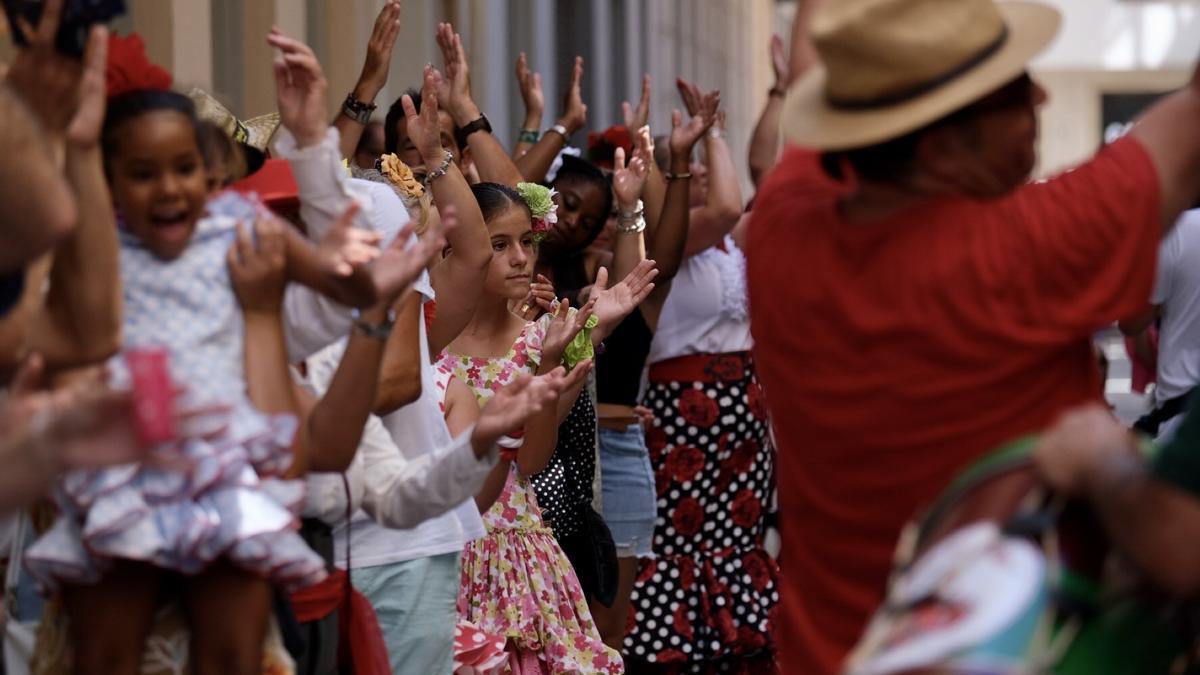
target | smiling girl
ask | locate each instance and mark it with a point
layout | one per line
(219, 530)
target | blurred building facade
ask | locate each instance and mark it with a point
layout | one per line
(219, 45)
(1110, 58)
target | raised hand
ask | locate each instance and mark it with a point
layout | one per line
(538, 301)
(400, 265)
(258, 266)
(84, 128)
(562, 328)
(530, 84)
(779, 62)
(379, 53)
(685, 136)
(636, 118)
(49, 82)
(693, 96)
(459, 103)
(346, 247)
(423, 127)
(301, 91)
(612, 305)
(574, 115)
(515, 404)
(628, 181)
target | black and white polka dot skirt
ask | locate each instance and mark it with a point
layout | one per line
(705, 603)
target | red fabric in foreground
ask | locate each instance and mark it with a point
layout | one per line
(360, 642)
(895, 353)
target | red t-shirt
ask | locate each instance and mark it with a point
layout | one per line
(894, 354)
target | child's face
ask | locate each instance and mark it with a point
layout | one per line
(158, 180)
(513, 254)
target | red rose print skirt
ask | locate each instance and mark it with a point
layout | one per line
(705, 603)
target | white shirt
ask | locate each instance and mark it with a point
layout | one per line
(312, 322)
(1177, 291)
(392, 490)
(707, 311)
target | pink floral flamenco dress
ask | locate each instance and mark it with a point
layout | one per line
(516, 580)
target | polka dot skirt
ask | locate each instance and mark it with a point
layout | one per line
(705, 603)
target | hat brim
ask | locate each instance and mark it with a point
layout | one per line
(810, 121)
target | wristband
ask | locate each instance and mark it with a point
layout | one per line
(678, 176)
(479, 124)
(441, 170)
(715, 133)
(561, 131)
(528, 136)
(379, 331)
(357, 110)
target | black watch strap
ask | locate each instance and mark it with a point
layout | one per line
(480, 124)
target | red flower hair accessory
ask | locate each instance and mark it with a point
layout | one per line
(602, 146)
(130, 70)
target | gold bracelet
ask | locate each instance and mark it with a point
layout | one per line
(678, 176)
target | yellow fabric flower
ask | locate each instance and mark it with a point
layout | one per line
(401, 176)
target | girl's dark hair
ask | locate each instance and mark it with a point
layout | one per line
(495, 199)
(134, 104)
(579, 170)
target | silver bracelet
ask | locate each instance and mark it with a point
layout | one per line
(561, 131)
(441, 170)
(632, 223)
(633, 226)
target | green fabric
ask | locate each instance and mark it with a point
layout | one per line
(1178, 461)
(581, 347)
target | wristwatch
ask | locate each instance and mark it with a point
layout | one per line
(379, 331)
(480, 124)
(561, 131)
(357, 110)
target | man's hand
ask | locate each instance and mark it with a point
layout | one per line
(379, 53)
(400, 265)
(1079, 446)
(423, 127)
(258, 267)
(345, 247)
(459, 103)
(301, 90)
(574, 115)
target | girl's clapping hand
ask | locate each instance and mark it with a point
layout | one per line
(564, 325)
(538, 301)
(258, 266)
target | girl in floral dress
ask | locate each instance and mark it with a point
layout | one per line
(516, 581)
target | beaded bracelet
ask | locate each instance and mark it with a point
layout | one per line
(441, 170)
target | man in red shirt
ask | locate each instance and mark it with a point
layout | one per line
(916, 303)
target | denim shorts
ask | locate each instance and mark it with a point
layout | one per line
(627, 484)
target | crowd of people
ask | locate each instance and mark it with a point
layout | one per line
(337, 391)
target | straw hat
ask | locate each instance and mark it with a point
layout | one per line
(892, 66)
(255, 133)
